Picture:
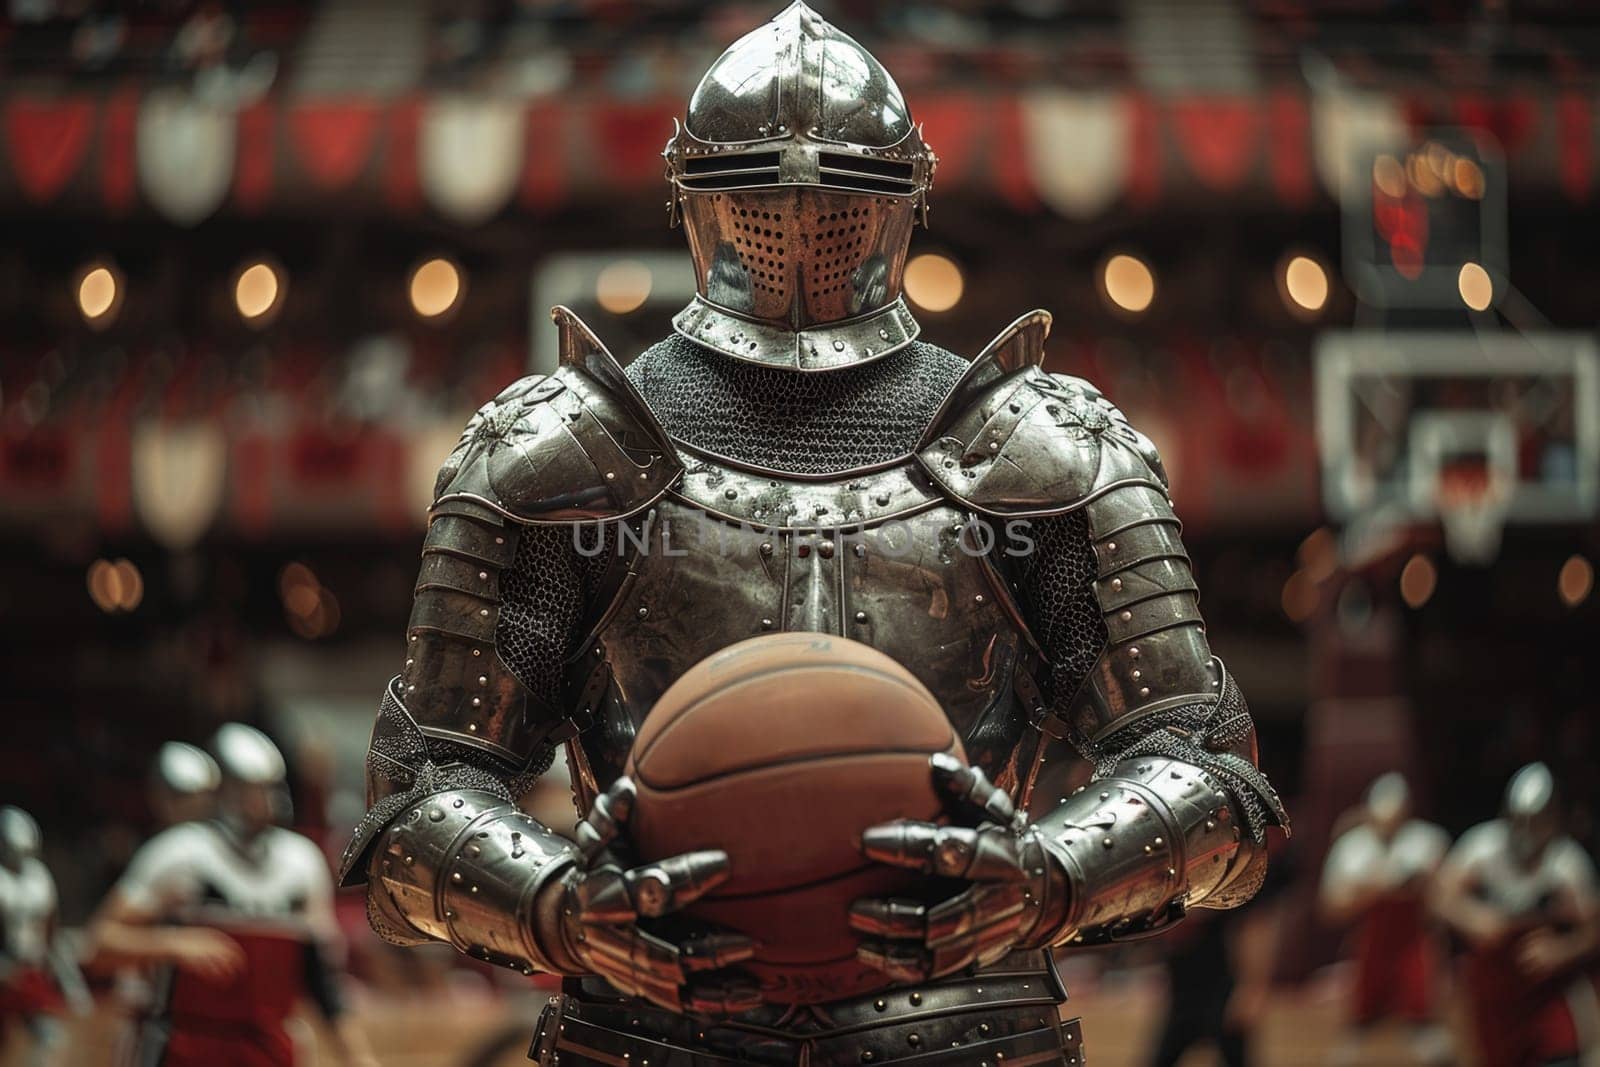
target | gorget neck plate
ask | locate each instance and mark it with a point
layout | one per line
(821, 347)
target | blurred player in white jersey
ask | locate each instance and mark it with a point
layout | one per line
(36, 981)
(234, 918)
(1522, 895)
(1376, 880)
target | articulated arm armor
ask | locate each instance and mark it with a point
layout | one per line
(1177, 812)
(461, 733)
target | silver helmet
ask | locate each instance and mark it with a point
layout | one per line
(20, 839)
(798, 176)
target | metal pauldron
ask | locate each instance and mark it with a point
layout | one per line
(465, 867)
(1006, 1013)
(1141, 846)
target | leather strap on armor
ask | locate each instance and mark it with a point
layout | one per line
(1140, 847)
(465, 867)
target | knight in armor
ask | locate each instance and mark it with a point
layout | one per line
(1520, 895)
(39, 978)
(1376, 880)
(232, 920)
(793, 457)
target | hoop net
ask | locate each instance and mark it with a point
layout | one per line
(1472, 506)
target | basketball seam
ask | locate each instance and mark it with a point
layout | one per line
(917, 689)
(728, 776)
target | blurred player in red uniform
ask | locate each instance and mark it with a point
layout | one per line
(1377, 878)
(1522, 895)
(37, 983)
(234, 916)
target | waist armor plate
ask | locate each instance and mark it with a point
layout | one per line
(1006, 1014)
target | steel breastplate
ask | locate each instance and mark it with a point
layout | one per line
(879, 556)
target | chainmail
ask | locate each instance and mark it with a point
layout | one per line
(1057, 583)
(806, 423)
(545, 596)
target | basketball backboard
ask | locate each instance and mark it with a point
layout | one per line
(1475, 429)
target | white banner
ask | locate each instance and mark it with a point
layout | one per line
(470, 155)
(1348, 129)
(1078, 148)
(185, 155)
(179, 474)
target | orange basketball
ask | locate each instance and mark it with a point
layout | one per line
(780, 750)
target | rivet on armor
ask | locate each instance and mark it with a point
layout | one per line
(860, 550)
(483, 576)
(1126, 616)
(766, 548)
(1148, 850)
(1111, 546)
(1211, 824)
(1104, 795)
(880, 1004)
(436, 815)
(825, 550)
(861, 616)
(483, 613)
(409, 860)
(883, 335)
(1137, 675)
(838, 346)
(643, 612)
(1106, 842)
(409, 662)
(499, 540)
(1116, 585)
(477, 702)
(1133, 652)
(882, 499)
(455, 876)
(766, 624)
(730, 493)
(978, 599)
(916, 998)
(1144, 690)
(459, 803)
(477, 652)
(913, 1040)
(611, 476)
(483, 679)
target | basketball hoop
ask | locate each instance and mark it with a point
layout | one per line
(1472, 506)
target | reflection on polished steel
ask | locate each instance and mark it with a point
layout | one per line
(798, 176)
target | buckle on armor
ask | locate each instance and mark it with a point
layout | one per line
(542, 1049)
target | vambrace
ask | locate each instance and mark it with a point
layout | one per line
(1141, 846)
(466, 867)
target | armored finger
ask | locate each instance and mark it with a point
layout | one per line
(903, 963)
(974, 796)
(676, 881)
(996, 857)
(607, 817)
(602, 896)
(900, 920)
(979, 908)
(641, 956)
(713, 951)
(903, 843)
(994, 942)
(726, 994)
